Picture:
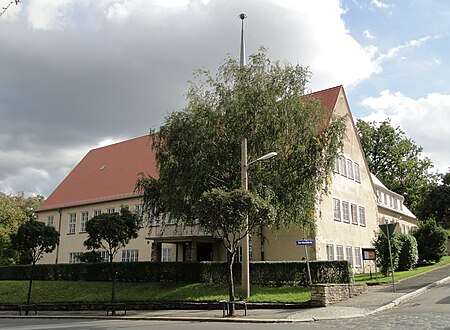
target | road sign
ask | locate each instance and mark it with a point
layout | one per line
(304, 242)
(388, 227)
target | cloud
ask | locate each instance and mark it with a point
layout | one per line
(425, 120)
(379, 4)
(78, 72)
(367, 34)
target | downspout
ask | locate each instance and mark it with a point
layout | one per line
(59, 232)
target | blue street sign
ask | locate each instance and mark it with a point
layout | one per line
(304, 242)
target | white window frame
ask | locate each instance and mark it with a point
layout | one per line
(74, 257)
(166, 254)
(330, 252)
(350, 169)
(358, 257)
(72, 223)
(354, 213)
(104, 256)
(97, 212)
(362, 216)
(110, 210)
(342, 166)
(83, 219)
(357, 172)
(339, 252)
(349, 255)
(337, 209)
(345, 212)
(50, 219)
(336, 165)
(130, 255)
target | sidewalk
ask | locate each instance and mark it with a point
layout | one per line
(379, 298)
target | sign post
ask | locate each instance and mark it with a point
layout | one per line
(388, 229)
(305, 243)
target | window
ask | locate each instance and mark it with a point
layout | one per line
(330, 252)
(138, 209)
(350, 169)
(349, 252)
(74, 257)
(238, 257)
(339, 252)
(337, 209)
(97, 212)
(166, 254)
(336, 165)
(110, 210)
(104, 256)
(50, 221)
(357, 173)
(358, 257)
(391, 201)
(385, 199)
(345, 212)
(378, 196)
(84, 218)
(362, 216)
(72, 223)
(342, 167)
(130, 255)
(354, 210)
(395, 203)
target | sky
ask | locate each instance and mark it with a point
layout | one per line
(80, 74)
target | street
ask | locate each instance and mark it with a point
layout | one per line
(430, 310)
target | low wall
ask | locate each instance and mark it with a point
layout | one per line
(323, 295)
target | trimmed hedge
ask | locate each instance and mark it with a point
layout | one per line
(263, 272)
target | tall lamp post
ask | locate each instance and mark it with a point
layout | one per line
(245, 241)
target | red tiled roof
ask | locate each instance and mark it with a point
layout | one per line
(327, 97)
(104, 174)
(110, 173)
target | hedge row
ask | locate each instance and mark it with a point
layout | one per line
(264, 273)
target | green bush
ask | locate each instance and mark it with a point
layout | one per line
(408, 256)
(381, 245)
(263, 273)
(431, 241)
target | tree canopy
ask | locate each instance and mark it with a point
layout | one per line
(111, 231)
(199, 148)
(14, 211)
(436, 204)
(397, 161)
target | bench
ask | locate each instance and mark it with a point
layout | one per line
(26, 308)
(113, 307)
(227, 304)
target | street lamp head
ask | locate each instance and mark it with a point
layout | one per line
(267, 156)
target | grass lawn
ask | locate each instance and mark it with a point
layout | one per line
(14, 292)
(400, 275)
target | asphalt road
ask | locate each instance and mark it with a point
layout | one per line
(430, 310)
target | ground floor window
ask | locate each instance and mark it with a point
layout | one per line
(330, 252)
(358, 257)
(349, 251)
(166, 254)
(104, 256)
(74, 257)
(339, 252)
(130, 255)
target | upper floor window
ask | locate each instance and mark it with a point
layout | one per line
(362, 216)
(83, 220)
(354, 211)
(72, 223)
(350, 169)
(345, 212)
(110, 210)
(97, 212)
(379, 196)
(342, 166)
(337, 209)
(50, 220)
(357, 173)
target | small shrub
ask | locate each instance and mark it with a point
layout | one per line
(431, 241)
(382, 248)
(408, 256)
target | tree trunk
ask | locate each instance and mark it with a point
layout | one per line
(30, 276)
(231, 284)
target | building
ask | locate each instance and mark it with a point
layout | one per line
(347, 217)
